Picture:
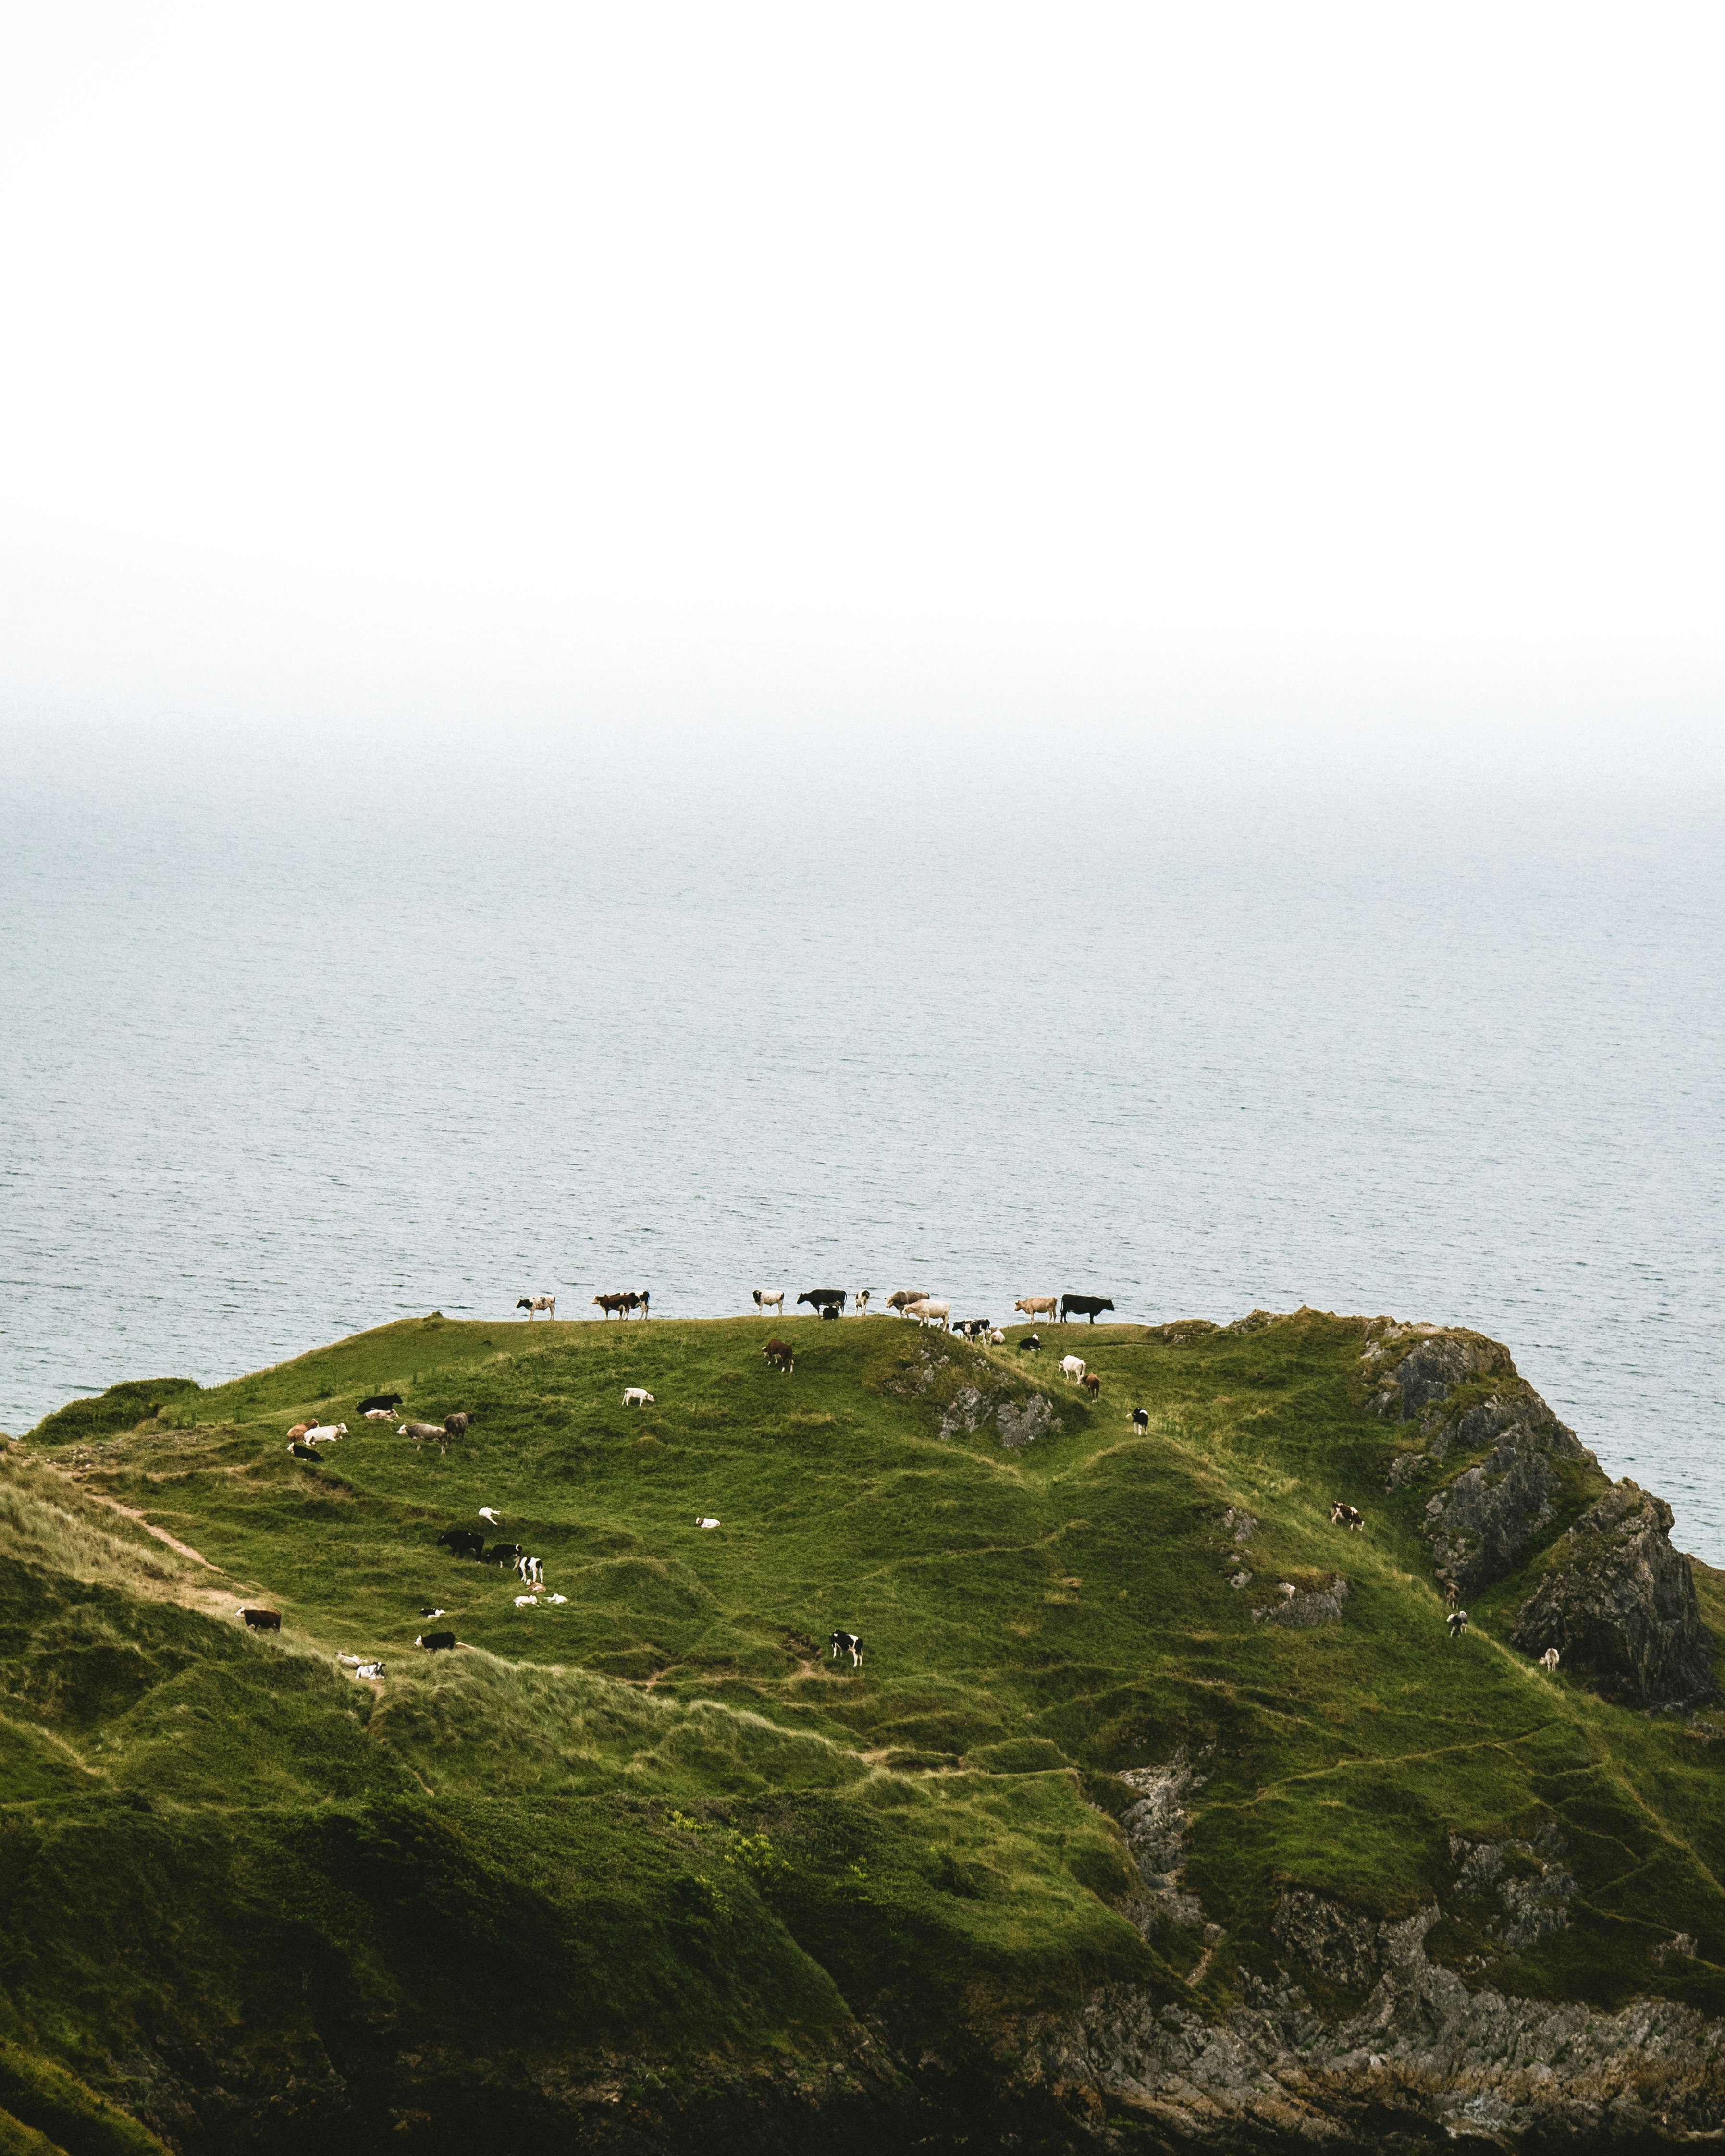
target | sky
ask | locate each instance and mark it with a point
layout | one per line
(509, 365)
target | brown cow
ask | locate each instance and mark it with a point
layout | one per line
(1091, 1383)
(781, 1354)
(902, 1301)
(262, 1620)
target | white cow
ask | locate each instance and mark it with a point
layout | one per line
(489, 1512)
(634, 1397)
(763, 1302)
(706, 1523)
(1072, 1366)
(379, 1414)
(326, 1432)
(1551, 1658)
(530, 1303)
(931, 1313)
(527, 1602)
(861, 1300)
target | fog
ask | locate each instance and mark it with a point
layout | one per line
(1338, 374)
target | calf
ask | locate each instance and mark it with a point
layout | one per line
(530, 1303)
(781, 1354)
(1031, 1344)
(901, 1300)
(492, 1517)
(462, 1542)
(307, 1452)
(634, 1397)
(262, 1620)
(763, 1302)
(1091, 1383)
(426, 1610)
(1551, 1658)
(701, 1522)
(1140, 1420)
(833, 1310)
(973, 1328)
(1035, 1306)
(819, 1297)
(1072, 1366)
(531, 1570)
(369, 1670)
(861, 1300)
(381, 1402)
(847, 1643)
(435, 1643)
(527, 1602)
(1083, 1305)
(1344, 1515)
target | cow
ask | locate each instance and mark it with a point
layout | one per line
(385, 1401)
(435, 1643)
(426, 1610)
(1036, 1306)
(1031, 1344)
(861, 1300)
(613, 1306)
(530, 1570)
(832, 1309)
(974, 1328)
(491, 1516)
(373, 1670)
(1092, 1383)
(931, 1313)
(641, 1302)
(1140, 1420)
(307, 1452)
(325, 1433)
(261, 1620)
(509, 1553)
(556, 1598)
(1083, 1305)
(701, 1522)
(1457, 1622)
(462, 1542)
(455, 1425)
(1072, 1366)
(527, 1602)
(530, 1303)
(1452, 1593)
(377, 1415)
(847, 1643)
(819, 1297)
(764, 1302)
(781, 1354)
(1551, 1658)
(635, 1396)
(299, 1430)
(1345, 1515)
(425, 1433)
(901, 1300)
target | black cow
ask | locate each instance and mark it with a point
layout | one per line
(848, 1643)
(821, 1297)
(1030, 1345)
(263, 1620)
(831, 1310)
(432, 1641)
(1083, 1305)
(380, 1400)
(307, 1452)
(462, 1542)
(502, 1554)
(1140, 1419)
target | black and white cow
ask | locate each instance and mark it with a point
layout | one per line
(503, 1553)
(1344, 1515)
(847, 1643)
(1083, 1305)
(306, 1452)
(974, 1328)
(1457, 1622)
(1140, 1419)
(384, 1401)
(1031, 1344)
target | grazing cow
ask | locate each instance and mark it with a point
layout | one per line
(819, 1297)
(973, 1328)
(900, 1302)
(1083, 1305)
(1092, 1383)
(764, 1302)
(636, 1396)
(613, 1306)
(861, 1300)
(1036, 1306)
(307, 1452)
(299, 1430)
(489, 1512)
(931, 1313)
(1140, 1419)
(326, 1432)
(425, 1433)
(1551, 1658)
(435, 1642)
(384, 1401)
(462, 1542)
(1457, 1622)
(1031, 1344)
(833, 1310)
(1344, 1515)
(530, 1303)
(843, 1643)
(426, 1610)
(509, 1553)
(456, 1424)
(262, 1620)
(701, 1522)
(781, 1354)
(378, 1415)
(1072, 1366)
(530, 1571)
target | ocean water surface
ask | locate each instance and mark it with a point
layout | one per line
(299, 1039)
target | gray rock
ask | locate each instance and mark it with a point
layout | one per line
(1480, 1523)
(1621, 1606)
(1156, 1828)
(1020, 1427)
(1534, 1900)
(1314, 1606)
(1404, 1381)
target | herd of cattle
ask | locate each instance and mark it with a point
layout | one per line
(831, 1301)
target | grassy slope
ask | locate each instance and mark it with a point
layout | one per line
(705, 1838)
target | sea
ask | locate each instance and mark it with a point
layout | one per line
(307, 1032)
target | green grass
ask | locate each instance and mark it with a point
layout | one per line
(710, 1841)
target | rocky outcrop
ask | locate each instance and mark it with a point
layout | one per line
(1534, 1890)
(1403, 1381)
(1155, 1828)
(1620, 1605)
(1301, 1606)
(1479, 1524)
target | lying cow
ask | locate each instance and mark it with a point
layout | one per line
(782, 1356)
(1036, 1306)
(262, 1620)
(307, 1452)
(380, 1403)
(377, 1415)
(843, 1643)
(435, 1643)
(763, 1302)
(462, 1542)
(325, 1433)
(299, 1430)
(1072, 1366)
(635, 1396)
(1083, 1305)
(1031, 1344)
(1345, 1515)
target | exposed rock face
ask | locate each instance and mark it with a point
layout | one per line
(1309, 1606)
(1535, 1892)
(1479, 1524)
(1440, 1359)
(1621, 1606)
(1023, 1426)
(1155, 1828)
